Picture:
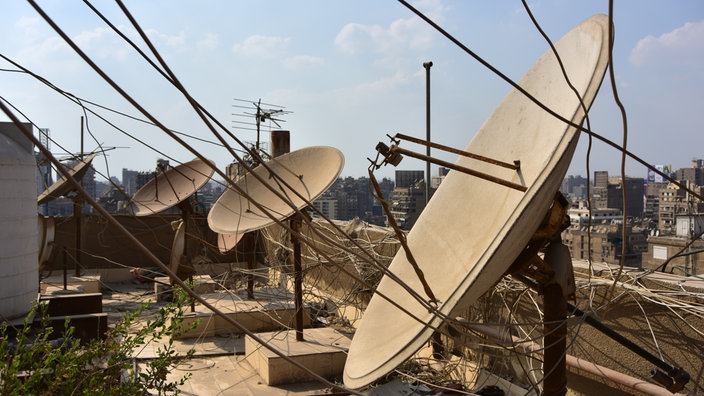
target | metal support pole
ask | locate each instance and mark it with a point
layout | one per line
(250, 254)
(427, 66)
(555, 292)
(436, 340)
(77, 209)
(281, 144)
(297, 275)
(555, 330)
(65, 269)
(78, 214)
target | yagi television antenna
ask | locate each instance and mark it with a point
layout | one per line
(473, 229)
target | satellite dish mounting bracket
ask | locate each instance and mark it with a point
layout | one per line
(552, 276)
(539, 272)
(394, 154)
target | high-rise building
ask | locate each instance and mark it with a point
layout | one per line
(693, 175)
(129, 181)
(607, 193)
(407, 204)
(408, 178)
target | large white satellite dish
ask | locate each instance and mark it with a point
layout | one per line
(62, 186)
(171, 187)
(308, 171)
(473, 229)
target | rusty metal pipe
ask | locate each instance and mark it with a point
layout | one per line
(463, 153)
(504, 338)
(515, 186)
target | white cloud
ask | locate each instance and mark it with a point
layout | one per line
(383, 84)
(210, 41)
(168, 39)
(88, 39)
(103, 43)
(682, 46)
(301, 61)
(45, 54)
(354, 37)
(401, 34)
(29, 26)
(173, 41)
(267, 47)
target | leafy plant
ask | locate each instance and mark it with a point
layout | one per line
(34, 361)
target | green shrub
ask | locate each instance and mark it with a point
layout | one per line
(35, 362)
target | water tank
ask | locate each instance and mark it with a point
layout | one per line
(19, 277)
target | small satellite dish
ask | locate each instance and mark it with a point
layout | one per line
(309, 171)
(62, 186)
(168, 189)
(171, 187)
(227, 242)
(178, 248)
(473, 229)
(47, 230)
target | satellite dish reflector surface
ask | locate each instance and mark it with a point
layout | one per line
(47, 231)
(472, 229)
(62, 186)
(227, 242)
(178, 247)
(171, 187)
(309, 171)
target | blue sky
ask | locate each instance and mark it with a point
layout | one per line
(349, 72)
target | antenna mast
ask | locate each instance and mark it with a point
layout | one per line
(261, 112)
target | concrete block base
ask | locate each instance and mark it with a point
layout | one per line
(202, 284)
(255, 315)
(323, 351)
(80, 284)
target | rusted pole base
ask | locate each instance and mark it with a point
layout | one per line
(555, 342)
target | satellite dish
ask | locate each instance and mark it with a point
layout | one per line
(227, 242)
(62, 186)
(309, 171)
(171, 187)
(473, 229)
(178, 248)
(47, 230)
